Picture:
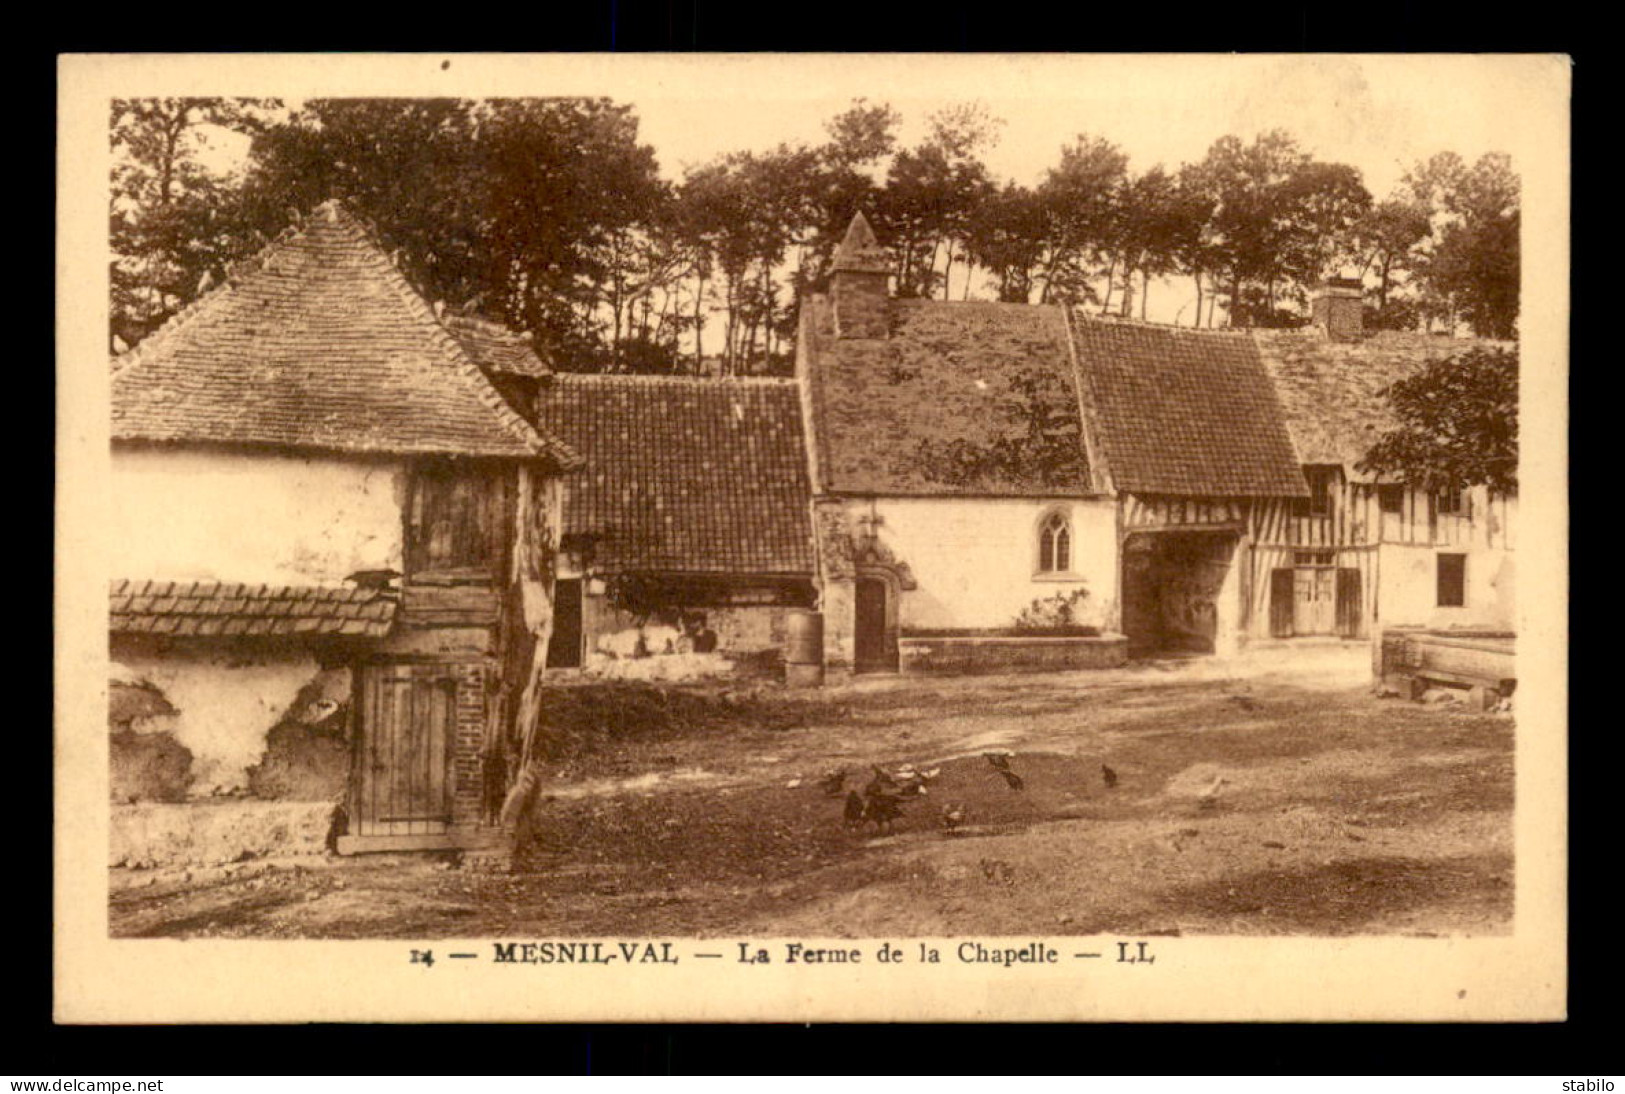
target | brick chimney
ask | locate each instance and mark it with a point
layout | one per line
(858, 284)
(1336, 308)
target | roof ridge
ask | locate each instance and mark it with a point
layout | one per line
(656, 378)
(1151, 324)
(488, 324)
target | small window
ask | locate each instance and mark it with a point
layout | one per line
(1322, 480)
(1449, 502)
(1313, 558)
(1452, 581)
(1391, 498)
(1055, 544)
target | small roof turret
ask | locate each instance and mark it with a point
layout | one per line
(859, 251)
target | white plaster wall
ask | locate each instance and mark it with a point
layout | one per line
(1408, 588)
(226, 703)
(194, 515)
(975, 559)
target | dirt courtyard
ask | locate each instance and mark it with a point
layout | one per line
(1268, 794)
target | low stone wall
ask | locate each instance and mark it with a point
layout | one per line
(151, 835)
(920, 656)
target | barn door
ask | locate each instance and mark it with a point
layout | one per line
(871, 650)
(1348, 602)
(1314, 601)
(403, 785)
(1281, 601)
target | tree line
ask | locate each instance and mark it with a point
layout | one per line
(550, 215)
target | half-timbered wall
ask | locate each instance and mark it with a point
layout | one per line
(1387, 538)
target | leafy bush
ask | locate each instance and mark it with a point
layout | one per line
(1049, 614)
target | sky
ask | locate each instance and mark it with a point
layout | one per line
(1379, 114)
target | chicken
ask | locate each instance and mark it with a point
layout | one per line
(833, 783)
(854, 809)
(1242, 701)
(952, 817)
(881, 810)
(1108, 775)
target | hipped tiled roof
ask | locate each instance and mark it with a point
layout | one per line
(954, 378)
(215, 609)
(684, 475)
(1185, 412)
(494, 347)
(1331, 392)
(321, 343)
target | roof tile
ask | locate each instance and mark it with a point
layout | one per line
(1186, 412)
(948, 404)
(1331, 392)
(685, 475)
(318, 343)
(216, 609)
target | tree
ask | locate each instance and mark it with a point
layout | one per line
(932, 194)
(1457, 425)
(1471, 269)
(1006, 238)
(1079, 199)
(1280, 218)
(517, 208)
(170, 225)
(1386, 239)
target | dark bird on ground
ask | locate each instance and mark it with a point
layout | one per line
(1016, 782)
(952, 817)
(1000, 760)
(854, 808)
(833, 783)
(880, 810)
(1243, 702)
(1109, 775)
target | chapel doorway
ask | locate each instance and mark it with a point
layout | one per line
(873, 641)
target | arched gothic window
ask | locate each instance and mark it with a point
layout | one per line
(1055, 544)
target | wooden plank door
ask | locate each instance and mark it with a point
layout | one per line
(1349, 621)
(403, 785)
(564, 649)
(1282, 599)
(870, 652)
(1314, 600)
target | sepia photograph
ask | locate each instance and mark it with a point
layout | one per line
(626, 522)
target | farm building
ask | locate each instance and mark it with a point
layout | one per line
(1010, 484)
(999, 485)
(687, 532)
(322, 515)
(1359, 553)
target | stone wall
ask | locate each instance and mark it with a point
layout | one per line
(219, 706)
(969, 656)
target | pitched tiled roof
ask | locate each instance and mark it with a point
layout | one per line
(320, 343)
(685, 475)
(1332, 392)
(1182, 411)
(494, 347)
(964, 397)
(214, 609)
